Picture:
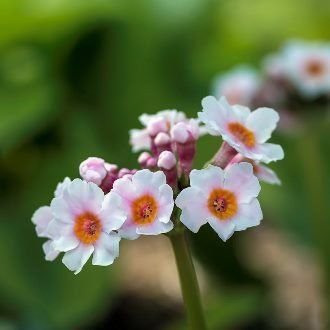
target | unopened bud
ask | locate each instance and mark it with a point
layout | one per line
(93, 170)
(166, 160)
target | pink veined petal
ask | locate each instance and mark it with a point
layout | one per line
(128, 230)
(50, 253)
(249, 215)
(155, 228)
(194, 213)
(76, 258)
(67, 241)
(262, 122)
(207, 179)
(146, 181)
(224, 228)
(62, 210)
(106, 249)
(239, 179)
(113, 214)
(125, 189)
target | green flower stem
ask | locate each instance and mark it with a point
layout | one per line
(188, 281)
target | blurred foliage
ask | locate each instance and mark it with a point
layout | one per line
(75, 75)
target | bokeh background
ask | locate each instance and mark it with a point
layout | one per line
(74, 77)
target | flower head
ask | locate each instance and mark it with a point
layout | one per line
(307, 67)
(83, 224)
(147, 202)
(226, 199)
(242, 129)
(239, 86)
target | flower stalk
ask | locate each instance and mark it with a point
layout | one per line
(188, 281)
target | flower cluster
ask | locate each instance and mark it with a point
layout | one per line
(292, 80)
(90, 216)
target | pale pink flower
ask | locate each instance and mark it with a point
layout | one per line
(147, 202)
(307, 67)
(93, 170)
(226, 199)
(245, 131)
(83, 224)
(239, 85)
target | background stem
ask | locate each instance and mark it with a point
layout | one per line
(188, 281)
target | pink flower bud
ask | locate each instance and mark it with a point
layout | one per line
(93, 170)
(166, 160)
(162, 142)
(143, 158)
(156, 126)
(151, 163)
(167, 163)
(123, 172)
(184, 132)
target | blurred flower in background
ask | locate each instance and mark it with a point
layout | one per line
(74, 76)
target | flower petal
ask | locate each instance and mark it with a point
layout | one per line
(50, 252)
(266, 174)
(191, 201)
(106, 249)
(76, 259)
(262, 122)
(239, 178)
(225, 229)
(270, 152)
(155, 228)
(206, 179)
(112, 215)
(249, 215)
(41, 218)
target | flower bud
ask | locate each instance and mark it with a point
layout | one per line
(143, 158)
(162, 142)
(167, 163)
(93, 170)
(166, 160)
(156, 126)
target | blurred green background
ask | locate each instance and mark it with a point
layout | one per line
(74, 77)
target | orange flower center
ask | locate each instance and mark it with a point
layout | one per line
(242, 134)
(222, 204)
(87, 228)
(144, 210)
(315, 68)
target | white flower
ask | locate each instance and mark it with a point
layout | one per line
(307, 67)
(42, 217)
(242, 129)
(226, 199)
(83, 223)
(147, 202)
(239, 86)
(140, 138)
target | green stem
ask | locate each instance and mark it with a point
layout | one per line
(188, 281)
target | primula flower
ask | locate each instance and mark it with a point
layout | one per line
(162, 121)
(83, 224)
(239, 86)
(242, 129)
(42, 217)
(307, 67)
(226, 199)
(147, 202)
(262, 172)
